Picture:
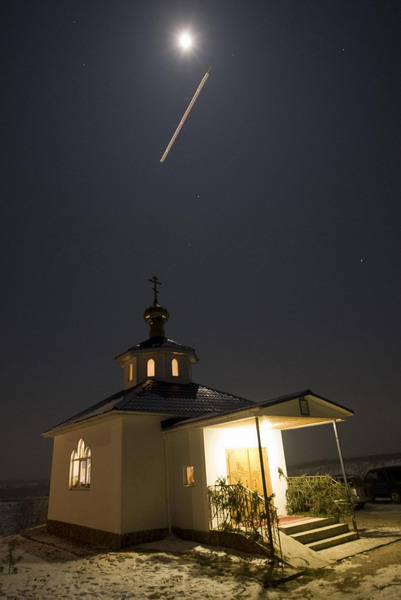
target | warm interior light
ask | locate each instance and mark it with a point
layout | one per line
(174, 367)
(151, 368)
(189, 476)
(80, 466)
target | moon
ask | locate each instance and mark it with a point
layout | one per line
(185, 40)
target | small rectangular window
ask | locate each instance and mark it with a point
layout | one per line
(304, 407)
(130, 372)
(189, 476)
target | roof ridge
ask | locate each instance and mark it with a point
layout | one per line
(225, 393)
(208, 387)
(91, 408)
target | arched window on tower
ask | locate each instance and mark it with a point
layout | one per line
(174, 367)
(150, 368)
(80, 467)
(130, 371)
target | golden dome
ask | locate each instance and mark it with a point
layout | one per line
(155, 316)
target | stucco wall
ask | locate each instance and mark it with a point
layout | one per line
(189, 505)
(143, 474)
(276, 456)
(99, 507)
(220, 439)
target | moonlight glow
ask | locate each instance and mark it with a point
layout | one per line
(185, 41)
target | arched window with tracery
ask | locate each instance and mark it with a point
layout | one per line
(80, 467)
(150, 368)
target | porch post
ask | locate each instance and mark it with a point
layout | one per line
(267, 499)
(167, 472)
(340, 454)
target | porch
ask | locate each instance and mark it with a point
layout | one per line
(243, 448)
(248, 449)
(246, 467)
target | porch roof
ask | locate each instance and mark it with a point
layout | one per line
(300, 409)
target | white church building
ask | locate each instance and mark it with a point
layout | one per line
(137, 465)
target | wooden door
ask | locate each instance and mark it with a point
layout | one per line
(243, 466)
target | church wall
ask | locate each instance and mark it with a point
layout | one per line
(98, 507)
(189, 503)
(275, 452)
(220, 439)
(143, 474)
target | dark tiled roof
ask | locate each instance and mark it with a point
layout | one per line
(161, 342)
(178, 399)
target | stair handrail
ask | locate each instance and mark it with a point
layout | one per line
(239, 509)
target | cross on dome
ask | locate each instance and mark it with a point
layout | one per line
(155, 282)
(156, 315)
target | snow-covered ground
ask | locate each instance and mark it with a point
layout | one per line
(51, 568)
(172, 568)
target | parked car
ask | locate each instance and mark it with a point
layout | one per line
(385, 482)
(360, 492)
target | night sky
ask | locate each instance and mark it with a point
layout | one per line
(274, 224)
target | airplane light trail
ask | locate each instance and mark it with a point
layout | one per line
(181, 123)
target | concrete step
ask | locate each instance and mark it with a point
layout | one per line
(290, 529)
(320, 533)
(333, 541)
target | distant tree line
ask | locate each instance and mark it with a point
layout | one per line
(22, 514)
(11, 491)
(23, 504)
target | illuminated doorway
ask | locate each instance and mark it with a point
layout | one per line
(243, 466)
